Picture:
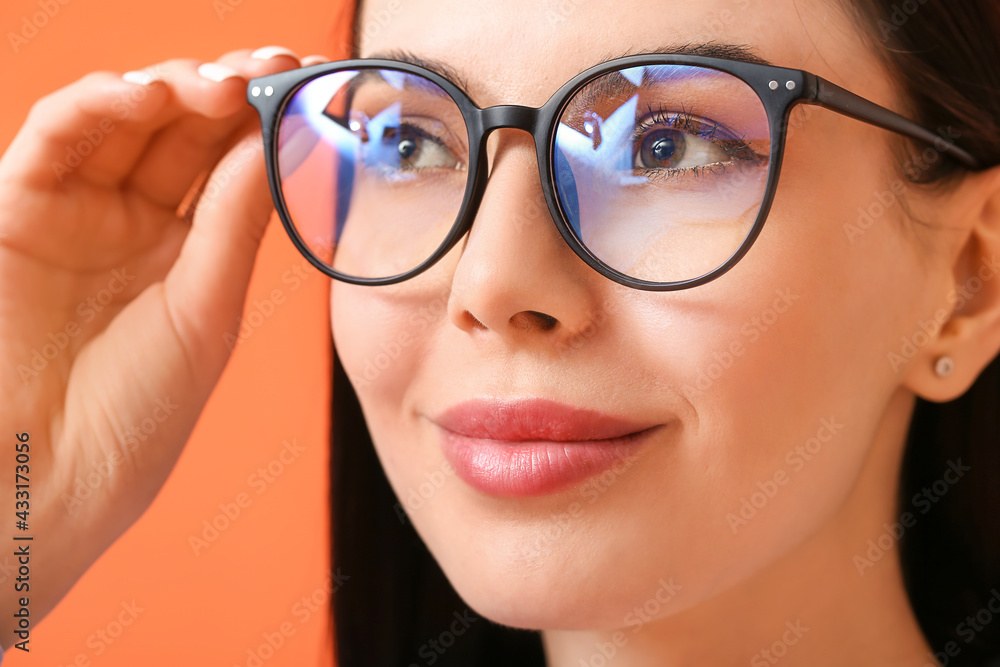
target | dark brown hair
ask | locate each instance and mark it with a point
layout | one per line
(944, 57)
(397, 607)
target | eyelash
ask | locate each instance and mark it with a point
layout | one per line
(415, 131)
(737, 149)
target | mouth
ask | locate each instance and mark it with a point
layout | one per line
(533, 447)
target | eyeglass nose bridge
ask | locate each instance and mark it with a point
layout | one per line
(508, 116)
(482, 122)
(533, 120)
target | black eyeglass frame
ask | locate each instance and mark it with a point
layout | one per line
(780, 89)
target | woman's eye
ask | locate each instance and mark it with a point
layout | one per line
(422, 152)
(669, 148)
(410, 149)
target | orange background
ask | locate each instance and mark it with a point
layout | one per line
(213, 608)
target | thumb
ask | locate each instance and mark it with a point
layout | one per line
(206, 288)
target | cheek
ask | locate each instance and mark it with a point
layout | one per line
(381, 335)
(785, 363)
(375, 345)
(377, 333)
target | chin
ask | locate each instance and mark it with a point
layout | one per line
(569, 605)
(520, 604)
(579, 583)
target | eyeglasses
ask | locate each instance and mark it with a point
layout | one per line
(658, 170)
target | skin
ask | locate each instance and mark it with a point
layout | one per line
(525, 562)
(528, 562)
(161, 336)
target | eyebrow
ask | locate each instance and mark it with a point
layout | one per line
(738, 52)
(439, 67)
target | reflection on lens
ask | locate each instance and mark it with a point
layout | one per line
(373, 165)
(661, 170)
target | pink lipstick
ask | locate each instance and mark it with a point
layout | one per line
(532, 447)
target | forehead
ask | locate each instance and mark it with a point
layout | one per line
(521, 51)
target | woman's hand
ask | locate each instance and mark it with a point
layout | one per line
(113, 306)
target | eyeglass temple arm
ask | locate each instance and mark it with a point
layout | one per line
(841, 100)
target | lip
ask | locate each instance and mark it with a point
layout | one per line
(532, 447)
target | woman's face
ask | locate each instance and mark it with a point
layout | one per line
(775, 413)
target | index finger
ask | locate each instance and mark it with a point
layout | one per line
(98, 127)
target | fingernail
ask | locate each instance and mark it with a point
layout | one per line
(314, 60)
(268, 52)
(139, 77)
(216, 72)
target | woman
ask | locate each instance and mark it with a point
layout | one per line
(648, 440)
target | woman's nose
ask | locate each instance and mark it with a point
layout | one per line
(516, 277)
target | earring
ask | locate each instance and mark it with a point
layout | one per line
(944, 366)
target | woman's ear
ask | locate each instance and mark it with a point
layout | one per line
(963, 336)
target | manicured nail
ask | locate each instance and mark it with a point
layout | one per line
(139, 77)
(314, 60)
(268, 52)
(216, 72)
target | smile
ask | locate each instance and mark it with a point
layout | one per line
(534, 447)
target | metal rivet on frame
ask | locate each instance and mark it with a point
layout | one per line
(255, 91)
(790, 85)
(773, 85)
(269, 91)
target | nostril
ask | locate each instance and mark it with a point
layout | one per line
(546, 322)
(475, 321)
(532, 319)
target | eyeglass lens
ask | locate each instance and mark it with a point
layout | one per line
(660, 170)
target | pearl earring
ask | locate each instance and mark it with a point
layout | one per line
(944, 367)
